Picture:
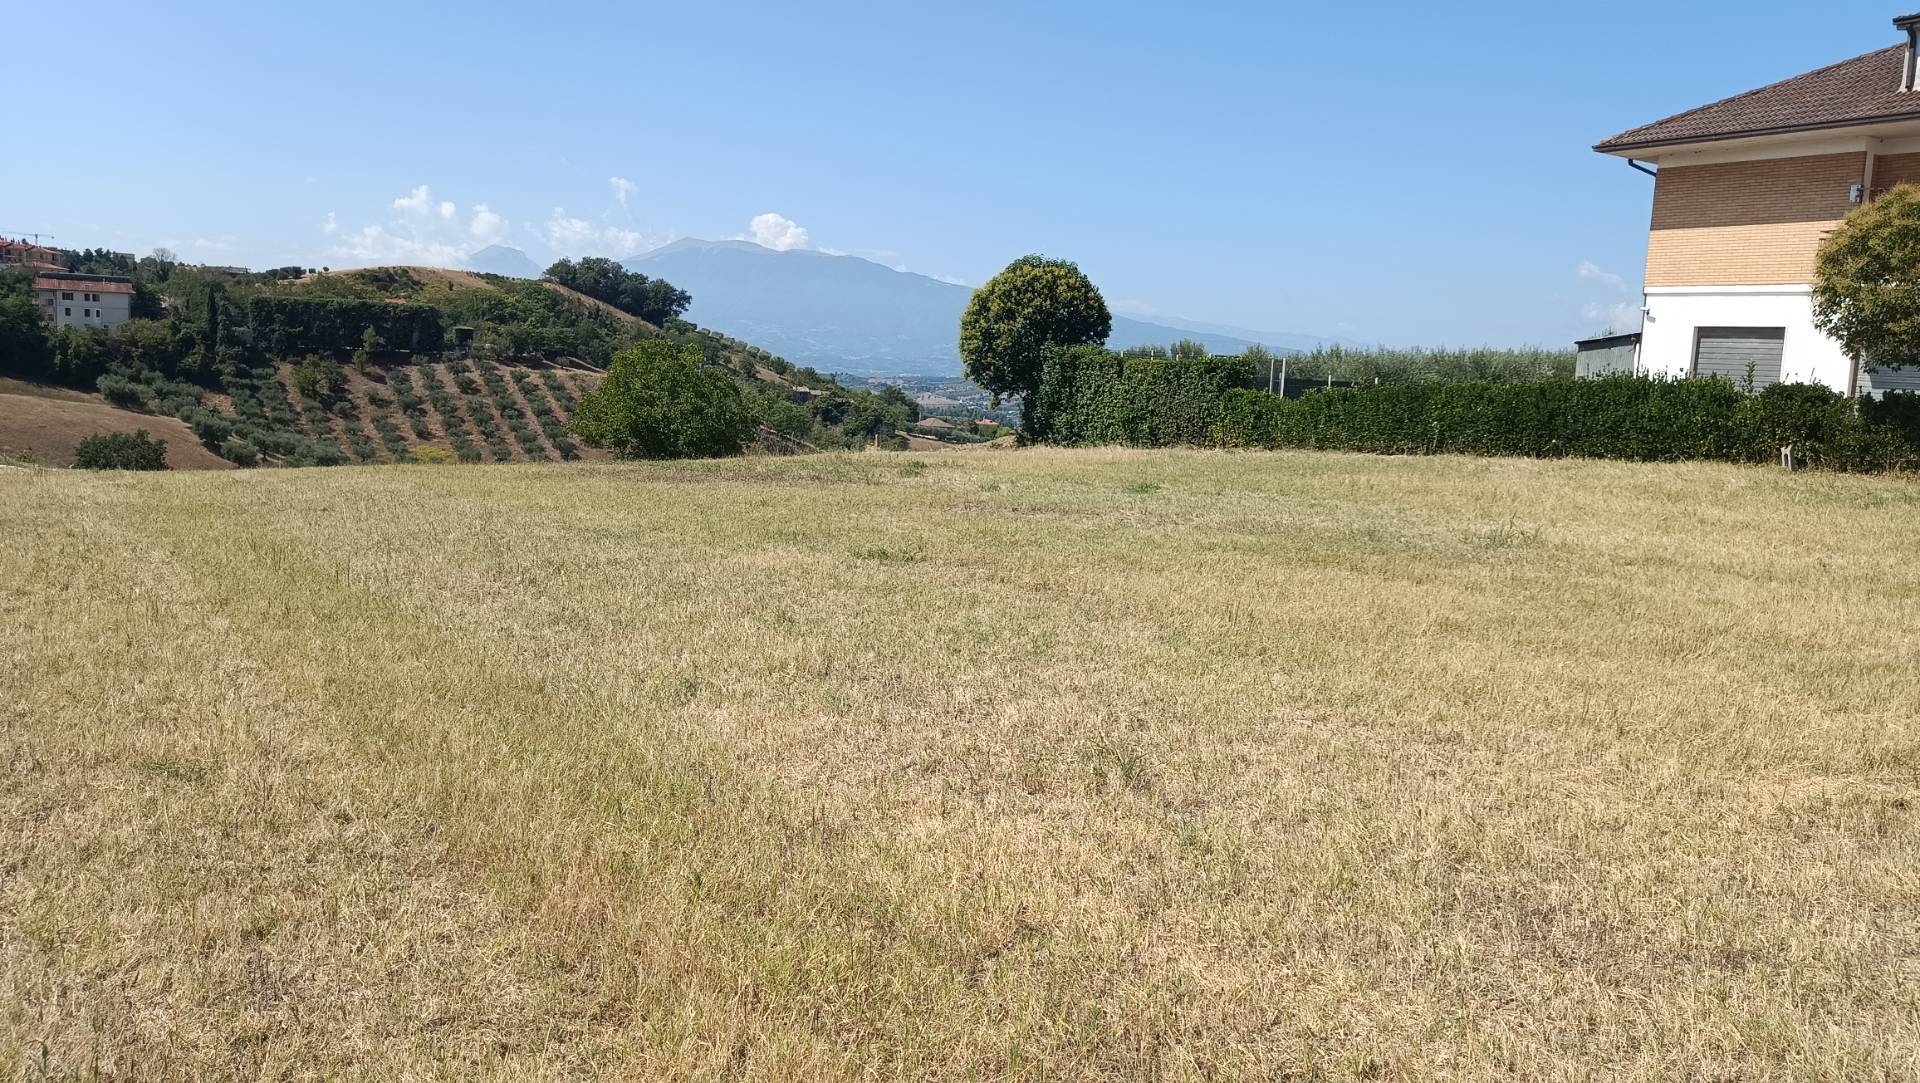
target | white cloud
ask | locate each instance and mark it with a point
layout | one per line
(486, 227)
(622, 188)
(1591, 272)
(777, 232)
(574, 237)
(422, 230)
(377, 244)
(1619, 318)
(415, 202)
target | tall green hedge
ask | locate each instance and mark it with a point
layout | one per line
(284, 324)
(1089, 395)
(1615, 417)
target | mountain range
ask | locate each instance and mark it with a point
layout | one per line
(841, 313)
(498, 259)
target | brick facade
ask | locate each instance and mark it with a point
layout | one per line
(1892, 169)
(1754, 223)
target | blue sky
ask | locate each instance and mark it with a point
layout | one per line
(1404, 173)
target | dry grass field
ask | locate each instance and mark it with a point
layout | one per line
(1014, 765)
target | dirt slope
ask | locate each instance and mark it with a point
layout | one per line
(47, 424)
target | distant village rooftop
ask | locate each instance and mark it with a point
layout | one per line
(21, 254)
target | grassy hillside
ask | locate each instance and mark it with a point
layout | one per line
(1033, 765)
(44, 425)
(478, 299)
(219, 351)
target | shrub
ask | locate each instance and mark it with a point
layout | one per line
(327, 453)
(1898, 411)
(1380, 365)
(123, 392)
(121, 451)
(283, 324)
(658, 403)
(280, 442)
(1088, 395)
(432, 456)
(212, 428)
(317, 378)
(240, 452)
(1614, 417)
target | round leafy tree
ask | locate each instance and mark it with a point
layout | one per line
(658, 403)
(1035, 303)
(1866, 281)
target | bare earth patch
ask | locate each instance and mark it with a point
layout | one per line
(48, 427)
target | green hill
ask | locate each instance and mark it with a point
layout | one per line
(296, 367)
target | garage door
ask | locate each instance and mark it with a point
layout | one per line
(1732, 352)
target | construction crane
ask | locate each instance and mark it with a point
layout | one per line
(23, 233)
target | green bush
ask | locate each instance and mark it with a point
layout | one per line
(123, 392)
(1898, 411)
(1089, 395)
(212, 428)
(285, 324)
(121, 451)
(1614, 417)
(658, 403)
(1367, 366)
(326, 453)
(240, 452)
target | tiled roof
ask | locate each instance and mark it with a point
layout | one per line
(1864, 90)
(20, 251)
(55, 282)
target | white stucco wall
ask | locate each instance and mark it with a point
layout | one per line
(1674, 313)
(110, 310)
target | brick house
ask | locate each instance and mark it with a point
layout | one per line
(1745, 189)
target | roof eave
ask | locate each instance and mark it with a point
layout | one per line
(1628, 150)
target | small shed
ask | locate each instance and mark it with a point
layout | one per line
(1608, 355)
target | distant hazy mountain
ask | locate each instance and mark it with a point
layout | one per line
(498, 259)
(847, 314)
(1272, 340)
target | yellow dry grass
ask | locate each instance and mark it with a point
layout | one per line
(1029, 765)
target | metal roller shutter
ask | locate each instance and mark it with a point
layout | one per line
(1876, 382)
(1731, 352)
